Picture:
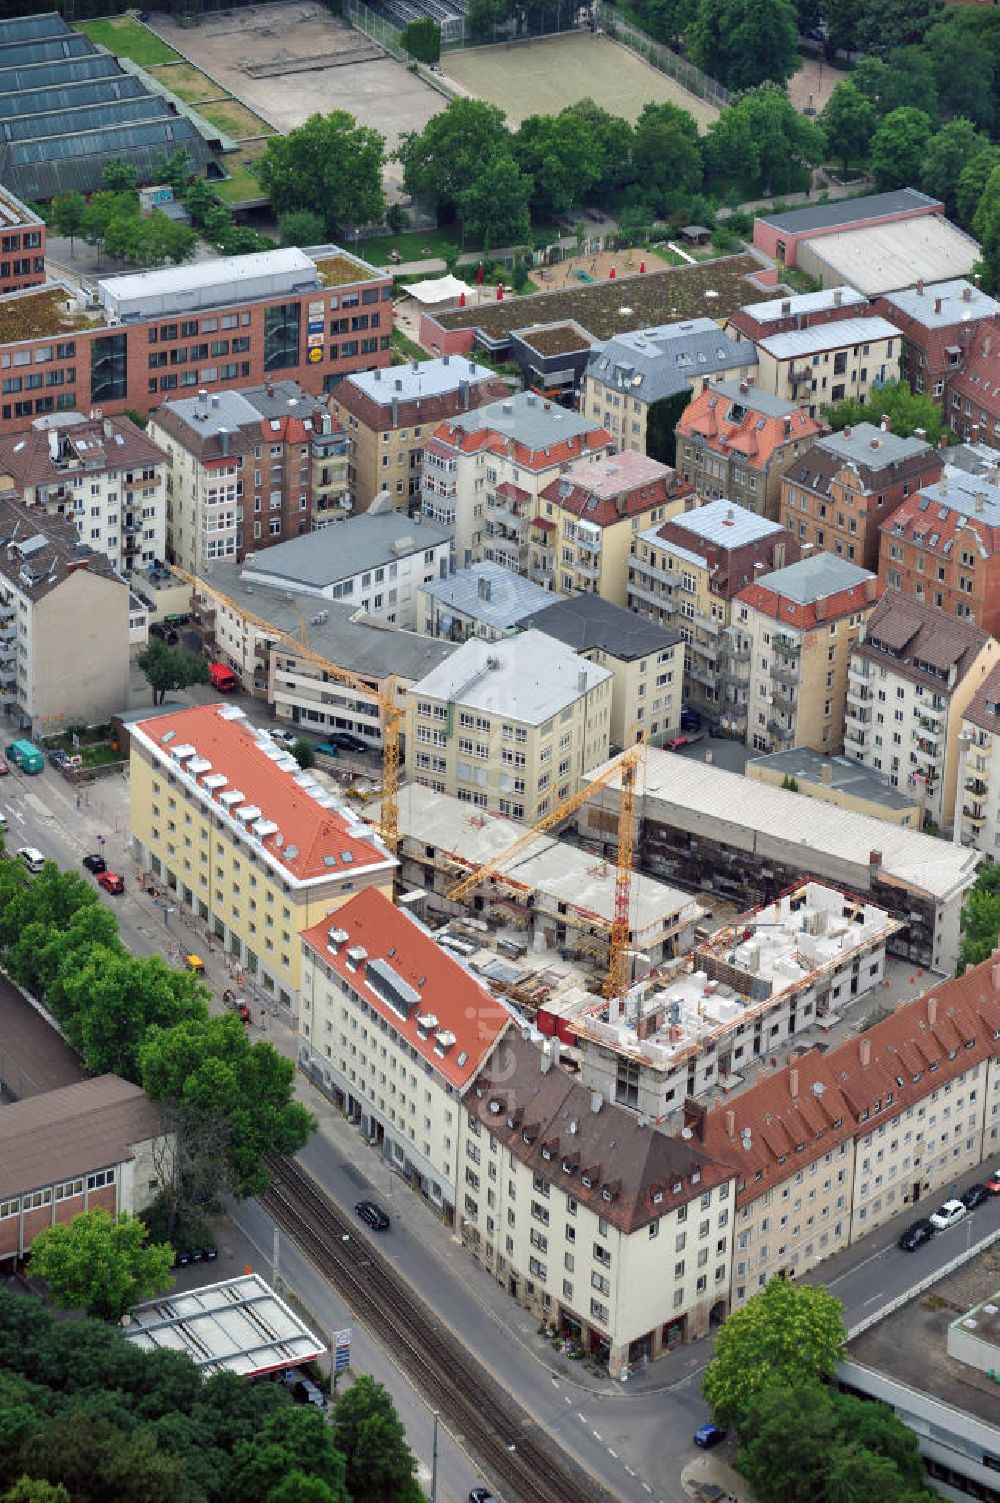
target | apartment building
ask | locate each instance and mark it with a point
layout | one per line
(971, 400)
(941, 547)
(979, 777)
(227, 823)
(22, 244)
(310, 316)
(388, 417)
(485, 600)
(839, 493)
(796, 628)
(484, 470)
(706, 1023)
(645, 660)
(782, 315)
(628, 375)
(833, 1145)
(589, 516)
(509, 726)
(734, 442)
(107, 477)
(685, 574)
(939, 322)
(610, 1231)
(394, 1031)
(913, 672)
(242, 470)
(824, 363)
(64, 625)
(375, 562)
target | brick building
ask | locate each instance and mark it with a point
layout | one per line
(838, 494)
(22, 244)
(781, 236)
(313, 317)
(781, 315)
(942, 546)
(939, 322)
(972, 394)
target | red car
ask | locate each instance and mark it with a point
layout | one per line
(677, 744)
(111, 882)
(4, 767)
(993, 1181)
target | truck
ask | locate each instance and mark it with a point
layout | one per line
(26, 756)
(223, 678)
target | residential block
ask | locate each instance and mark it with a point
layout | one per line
(941, 547)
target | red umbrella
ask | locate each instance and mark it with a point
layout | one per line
(499, 292)
(642, 266)
(480, 274)
(611, 274)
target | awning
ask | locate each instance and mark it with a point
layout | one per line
(446, 289)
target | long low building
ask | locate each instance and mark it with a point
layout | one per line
(747, 841)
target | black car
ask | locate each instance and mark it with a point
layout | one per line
(347, 742)
(974, 1196)
(916, 1235)
(95, 864)
(188, 1255)
(481, 1495)
(372, 1215)
(690, 720)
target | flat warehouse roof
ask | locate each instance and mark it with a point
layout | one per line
(885, 257)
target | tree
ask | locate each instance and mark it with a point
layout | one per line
(199, 199)
(35, 1490)
(790, 1333)
(905, 409)
(878, 1429)
(785, 1438)
(762, 136)
(561, 157)
(304, 753)
(330, 165)
(119, 175)
(986, 224)
(443, 159)
(176, 169)
(669, 20)
(100, 1263)
(886, 24)
(169, 668)
(745, 42)
(972, 181)
(484, 16)
(494, 207)
(66, 215)
(842, 17)
(303, 227)
(116, 997)
(947, 155)
(899, 146)
(666, 156)
(422, 39)
(848, 123)
(891, 83)
(963, 48)
(613, 139)
(854, 1475)
(370, 1434)
(287, 1442)
(980, 919)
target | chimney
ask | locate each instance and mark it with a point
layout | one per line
(730, 1117)
(966, 293)
(377, 374)
(445, 359)
(793, 1084)
(920, 433)
(463, 391)
(786, 308)
(931, 1011)
(838, 296)
(827, 773)
(920, 286)
(875, 443)
(886, 423)
(394, 411)
(980, 500)
(986, 345)
(581, 681)
(937, 305)
(744, 388)
(224, 439)
(865, 1052)
(215, 399)
(995, 973)
(943, 441)
(545, 1059)
(847, 431)
(874, 863)
(974, 433)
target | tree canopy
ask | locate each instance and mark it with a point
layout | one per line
(100, 1263)
(761, 135)
(330, 165)
(899, 147)
(980, 917)
(905, 409)
(743, 43)
(370, 1434)
(444, 159)
(848, 123)
(168, 668)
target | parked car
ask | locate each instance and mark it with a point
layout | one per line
(58, 758)
(916, 1234)
(481, 1495)
(372, 1215)
(95, 864)
(186, 1255)
(194, 963)
(708, 1436)
(111, 882)
(993, 1181)
(948, 1215)
(677, 744)
(284, 738)
(974, 1196)
(32, 858)
(303, 1389)
(690, 720)
(326, 749)
(348, 742)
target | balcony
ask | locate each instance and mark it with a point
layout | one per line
(787, 676)
(799, 373)
(858, 717)
(592, 544)
(854, 736)
(974, 813)
(701, 674)
(778, 731)
(708, 624)
(541, 574)
(784, 701)
(733, 672)
(590, 568)
(653, 594)
(510, 514)
(787, 646)
(858, 693)
(929, 750)
(977, 787)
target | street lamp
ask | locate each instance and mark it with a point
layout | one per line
(434, 1458)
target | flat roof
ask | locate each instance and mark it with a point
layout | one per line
(170, 281)
(960, 299)
(529, 419)
(237, 1326)
(857, 446)
(813, 578)
(420, 378)
(511, 599)
(794, 306)
(846, 776)
(224, 412)
(589, 622)
(529, 678)
(686, 792)
(829, 336)
(721, 522)
(850, 210)
(317, 560)
(753, 398)
(884, 257)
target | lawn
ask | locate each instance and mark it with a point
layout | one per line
(128, 38)
(234, 119)
(413, 245)
(242, 185)
(187, 83)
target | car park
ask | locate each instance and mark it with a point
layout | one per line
(372, 1215)
(916, 1234)
(708, 1436)
(184, 1256)
(95, 864)
(948, 1215)
(974, 1196)
(111, 882)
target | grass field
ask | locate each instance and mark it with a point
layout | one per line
(127, 38)
(242, 184)
(187, 83)
(235, 119)
(548, 73)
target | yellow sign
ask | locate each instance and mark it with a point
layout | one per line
(315, 355)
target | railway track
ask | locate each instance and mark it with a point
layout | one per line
(519, 1457)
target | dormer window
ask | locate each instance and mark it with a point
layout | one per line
(677, 1188)
(657, 1197)
(585, 1180)
(546, 1153)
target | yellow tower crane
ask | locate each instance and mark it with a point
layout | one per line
(627, 762)
(387, 702)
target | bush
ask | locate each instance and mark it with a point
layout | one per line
(422, 40)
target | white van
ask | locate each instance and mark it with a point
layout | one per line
(32, 858)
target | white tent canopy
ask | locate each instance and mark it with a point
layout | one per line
(438, 290)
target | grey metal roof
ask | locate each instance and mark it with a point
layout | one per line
(421, 378)
(226, 411)
(31, 76)
(23, 28)
(586, 622)
(755, 400)
(721, 522)
(846, 211)
(975, 459)
(318, 560)
(803, 302)
(856, 447)
(529, 677)
(109, 114)
(227, 279)
(511, 598)
(959, 298)
(832, 336)
(651, 364)
(372, 651)
(528, 419)
(814, 578)
(846, 776)
(280, 399)
(67, 96)
(78, 163)
(45, 50)
(957, 491)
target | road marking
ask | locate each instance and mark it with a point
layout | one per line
(567, 1399)
(629, 1470)
(597, 1437)
(581, 1417)
(850, 1271)
(555, 1382)
(873, 1299)
(612, 1453)
(646, 1487)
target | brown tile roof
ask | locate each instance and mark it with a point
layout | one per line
(983, 708)
(73, 1131)
(636, 1174)
(797, 1114)
(34, 1057)
(36, 570)
(978, 381)
(81, 448)
(920, 642)
(603, 491)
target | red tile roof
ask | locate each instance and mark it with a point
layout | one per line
(797, 1114)
(449, 1017)
(978, 381)
(755, 434)
(935, 527)
(812, 612)
(603, 491)
(306, 834)
(489, 441)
